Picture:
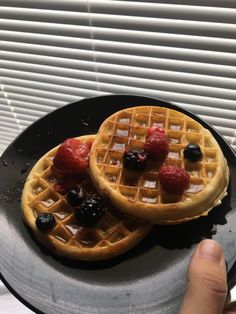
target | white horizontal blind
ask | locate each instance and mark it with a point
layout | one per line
(58, 51)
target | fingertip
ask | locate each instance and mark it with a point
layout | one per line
(207, 285)
(208, 258)
(210, 250)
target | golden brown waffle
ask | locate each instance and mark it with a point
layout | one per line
(140, 194)
(112, 235)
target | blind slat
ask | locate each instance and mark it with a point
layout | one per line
(24, 90)
(24, 18)
(175, 53)
(163, 39)
(23, 118)
(175, 68)
(132, 81)
(25, 111)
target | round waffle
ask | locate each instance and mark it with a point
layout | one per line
(140, 194)
(112, 235)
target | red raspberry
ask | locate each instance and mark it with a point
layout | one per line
(152, 130)
(64, 185)
(173, 179)
(157, 144)
(72, 157)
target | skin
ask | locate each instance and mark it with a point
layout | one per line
(206, 281)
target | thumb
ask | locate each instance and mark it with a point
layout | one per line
(207, 285)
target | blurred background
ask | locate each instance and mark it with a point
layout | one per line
(56, 52)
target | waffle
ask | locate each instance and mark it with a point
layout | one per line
(140, 195)
(112, 235)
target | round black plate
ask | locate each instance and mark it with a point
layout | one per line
(149, 279)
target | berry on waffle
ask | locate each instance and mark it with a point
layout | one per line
(139, 193)
(68, 215)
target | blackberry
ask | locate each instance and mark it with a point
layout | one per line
(135, 159)
(192, 152)
(91, 210)
(45, 221)
(75, 197)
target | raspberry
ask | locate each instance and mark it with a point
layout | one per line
(152, 130)
(173, 179)
(157, 144)
(64, 184)
(72, 156)
(135, 159)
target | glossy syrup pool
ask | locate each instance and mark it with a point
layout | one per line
(175, 127)
(100, 159)
(73, 229)
(151, 184)
(61, 215)
(88, 238)
(124, 120)
(174, 155)
(149, 196)
(194, 173)
(149, 199)
(60, 238)
(121, 132)
(48, 202)
(114, 162)
(37, 190)
(210, 174)
(137, 137)
(158, 125)
(118, 146)
(174, 140)
(195, 188)
(111, 178)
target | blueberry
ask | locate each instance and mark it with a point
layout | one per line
(75, 197)
(91, 210)
(45, 221)
(135, 159)
(192, 152)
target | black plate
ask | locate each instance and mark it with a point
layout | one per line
(148, 279)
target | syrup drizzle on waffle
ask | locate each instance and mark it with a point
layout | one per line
(112, 230)
(128, 129)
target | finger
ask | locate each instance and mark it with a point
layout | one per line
(231, 310)
(207, 286)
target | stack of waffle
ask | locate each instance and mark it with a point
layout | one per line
(134, 200)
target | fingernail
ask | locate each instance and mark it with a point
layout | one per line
(211, 250)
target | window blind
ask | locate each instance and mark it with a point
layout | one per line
(56, 52)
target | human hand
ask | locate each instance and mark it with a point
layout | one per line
(207, 281)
